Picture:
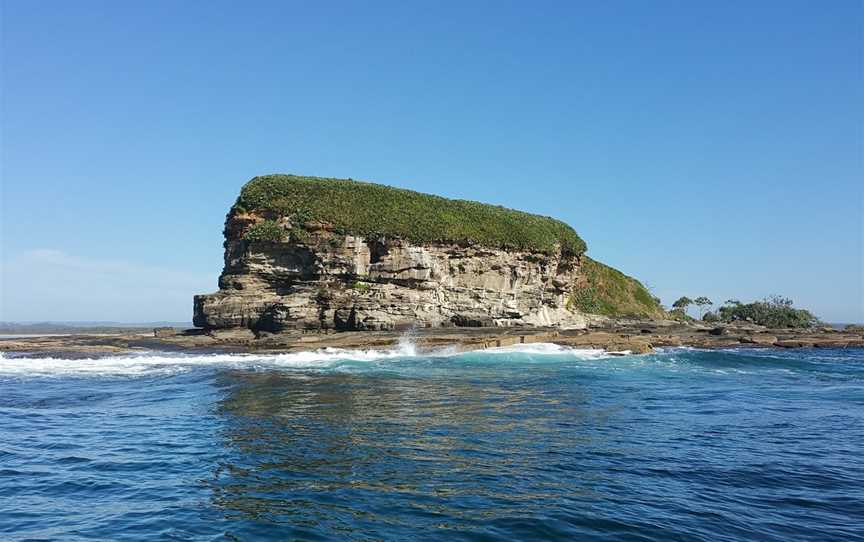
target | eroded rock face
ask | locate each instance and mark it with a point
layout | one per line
(316, 279)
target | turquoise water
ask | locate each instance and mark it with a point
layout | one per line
(530, 443)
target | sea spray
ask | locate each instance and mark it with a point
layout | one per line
(407, 344)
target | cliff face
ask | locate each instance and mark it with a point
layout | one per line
(319, 279)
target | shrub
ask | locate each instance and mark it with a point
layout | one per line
(710, 316)
(584, 299)
(268, 230)
(373, 210)
(774, 311)
(361, 287)
(680, 315)
(609, 292)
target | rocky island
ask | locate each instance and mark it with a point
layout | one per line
(312, 263)
(306, 253)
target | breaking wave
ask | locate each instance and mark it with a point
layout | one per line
(152, 363)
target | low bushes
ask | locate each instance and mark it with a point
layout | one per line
(774, 311)
(604, 290)
(268, 230)
(374, 210)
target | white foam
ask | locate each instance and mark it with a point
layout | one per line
(549, 349)
(153, 363)
(156, 363)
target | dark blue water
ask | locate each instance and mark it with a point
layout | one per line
(539, 444)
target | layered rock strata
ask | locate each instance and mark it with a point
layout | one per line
(318, 279)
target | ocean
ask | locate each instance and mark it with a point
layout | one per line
(536, 442)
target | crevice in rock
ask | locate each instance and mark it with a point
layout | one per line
(377, 251)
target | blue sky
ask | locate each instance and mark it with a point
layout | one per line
(707, 148)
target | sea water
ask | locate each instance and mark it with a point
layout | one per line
(532, 442)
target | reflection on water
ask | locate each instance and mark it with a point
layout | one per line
(683, 446)
(338, 448)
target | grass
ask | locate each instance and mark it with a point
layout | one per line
(604, 290)
(268, 230)
(374, 210)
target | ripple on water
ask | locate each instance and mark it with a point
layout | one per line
(531, 442)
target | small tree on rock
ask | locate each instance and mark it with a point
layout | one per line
(702, 302)
(682, 303)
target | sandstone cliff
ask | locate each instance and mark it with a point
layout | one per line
(310, 253)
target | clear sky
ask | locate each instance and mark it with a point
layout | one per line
(706, 148)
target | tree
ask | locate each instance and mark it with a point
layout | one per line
(682, 303)
(702, 302)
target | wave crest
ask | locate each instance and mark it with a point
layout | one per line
(154, 363)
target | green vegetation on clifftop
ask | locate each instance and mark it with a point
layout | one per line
(609, 292)
(373, 210)
(269, 230)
